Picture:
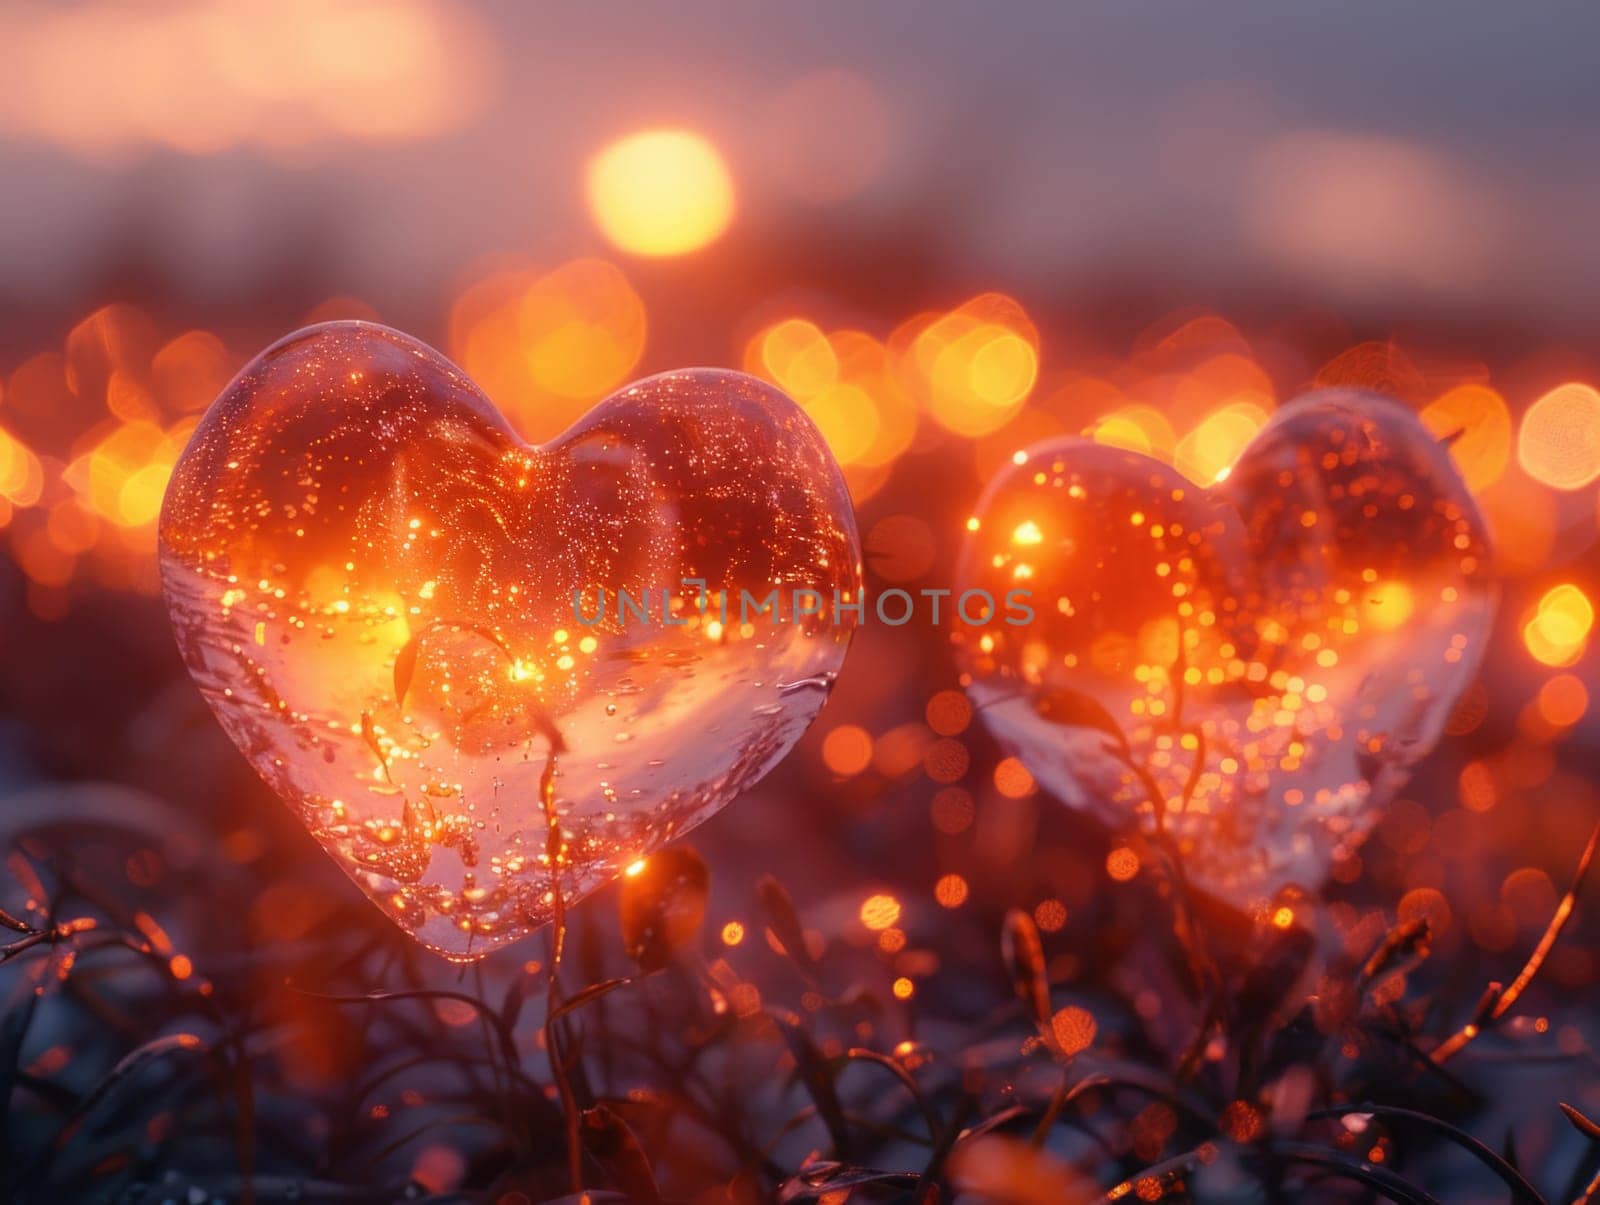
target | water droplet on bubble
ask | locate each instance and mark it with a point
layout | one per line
(817, 682)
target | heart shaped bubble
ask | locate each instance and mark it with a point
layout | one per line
(465, 661)
(1249, 668)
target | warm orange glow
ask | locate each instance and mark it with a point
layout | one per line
(847, 750)
(952, 811)
(546, 347)
(1477, 787)
(1027, 532)
(1074, 1029)
(1122, 864)
(1559, 442)
(900, 750)
(950, 891)
(848, 420)
(1559, 630)
(732, 933)
(1240, 1121)
(1012, 780)
(1136, 429)
(949, 712)
(844, 383)
(1378, 365)
(904, 989)
(1389, 605)
(415, 629)
(1563, 700)
(947, 760)
(796, 355)
(1425, 903)
(1522, 517)
(188, 372)
(879, 912)
(864, 365)
(1050, 915)
(660, 192)
(125, 475)
(1477, 423)
(1206, 453)
(1033, 424)
(21, 474)
(975, 366)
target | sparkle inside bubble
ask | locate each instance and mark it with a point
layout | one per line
(372, 581)
(1250, 667)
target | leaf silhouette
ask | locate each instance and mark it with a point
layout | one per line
(1024, 955)
(823, 1178)
(1073, 709)
(785, 921)
(405, 662)
(1584, 1125)
(610, 1141)
(816, 1073)
(369, 734)
(405, 669)
(663, 905)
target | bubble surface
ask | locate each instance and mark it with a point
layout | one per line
(1249, 668)
(412, 623)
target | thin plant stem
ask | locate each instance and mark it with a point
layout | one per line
(1498, 1001)
(556, 853)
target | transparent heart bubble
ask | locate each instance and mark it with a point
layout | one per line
(432, 639)
(1252, 667)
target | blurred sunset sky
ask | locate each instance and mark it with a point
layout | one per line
(1371, 157)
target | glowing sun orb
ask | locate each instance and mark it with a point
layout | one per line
(660, 192)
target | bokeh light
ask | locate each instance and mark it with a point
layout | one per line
(660, 192)
(847, 749)
(844, 381)
(1206, 453)
(1563, 700)
(1122, 864)
(104, 78)
(1476, 422)
(21, 475)
(1559, 440)
(880, 912)
(547, 346)
(1073, 1028)
(1523, 518)
(974, 367)
(1136, 428)
(1558, 631)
